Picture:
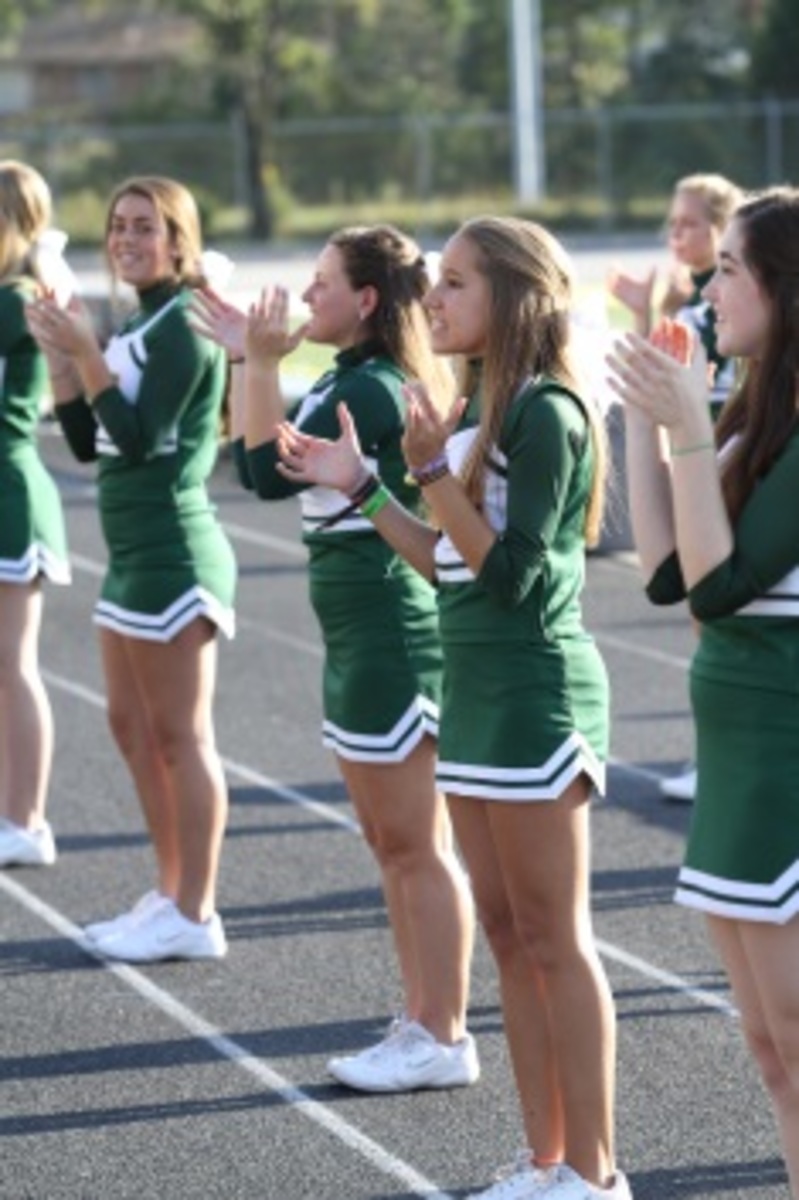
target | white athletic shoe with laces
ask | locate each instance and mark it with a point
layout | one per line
(407, 1059)
(165, 934)
(520, 1180)
(21, 847)
(566, 1184)
(144, 906)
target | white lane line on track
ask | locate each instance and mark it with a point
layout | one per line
(91, 567)
(257, 537)
(639, 965)
(648, 652)
(230, 1050)
(248, 774)
(667, 978)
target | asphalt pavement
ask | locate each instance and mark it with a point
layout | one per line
(207, 1081)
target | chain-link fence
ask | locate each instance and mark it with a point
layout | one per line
(607, 164)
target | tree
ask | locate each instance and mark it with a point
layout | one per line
(13, 15)
(775, 51)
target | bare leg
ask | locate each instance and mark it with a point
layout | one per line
(523, 1009)
(129, 723)
(540, 853)
(406, 824)
(762, 961)
(176, 681)
(26, 722)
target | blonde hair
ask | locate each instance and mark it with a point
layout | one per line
(177, 208)
(382, 257)
(530, 283)
(719, 196)
(25, 213)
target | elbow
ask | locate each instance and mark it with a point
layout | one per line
(660, 598)
(703, 612)
(268, 489)
(244, 479)
(508, 597)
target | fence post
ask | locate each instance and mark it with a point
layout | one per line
(604, 150)
(772, 111)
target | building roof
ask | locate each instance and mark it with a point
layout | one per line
(72, 38)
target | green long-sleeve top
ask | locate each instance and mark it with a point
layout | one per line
(748, 605)
(155, 430)
(538, 483)
(23, 371)
(343, 545)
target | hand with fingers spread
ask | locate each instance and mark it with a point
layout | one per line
(654, 381)
(268, 338)
(65, 331)
(673, 338)
(634, 293)
(678, 290)
(335, 464)
(426, 431)
(216, 318)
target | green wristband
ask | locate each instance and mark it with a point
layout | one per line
(373, 504)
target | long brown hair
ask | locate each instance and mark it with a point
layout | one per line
(530, 281)
(763, 410)
(382, 257)
(176, 206)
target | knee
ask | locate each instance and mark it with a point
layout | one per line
(499, 927)
(171, 743)
(779, 1075)
(124, 729)
(392, 849)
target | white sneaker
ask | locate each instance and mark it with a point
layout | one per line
(165, 933)
(147, 904)
(26, 847)
(521, 1180)
(566, 1184)
(409, 1058)
(680, 787)
(394, 1026)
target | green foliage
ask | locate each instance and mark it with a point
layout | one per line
(341, 104)
(775, 51)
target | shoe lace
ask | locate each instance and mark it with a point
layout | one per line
(524, 1163)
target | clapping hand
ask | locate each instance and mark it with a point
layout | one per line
(635, 294)
(335, 464)
(664, 377)
(218, 319)
(62, 332)
(426, 430)
(268, 338)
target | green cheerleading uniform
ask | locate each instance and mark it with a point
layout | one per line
(742, 856)
(32, 537)
(155, 436)
(525, 703)
(382, 669)
(700, 316)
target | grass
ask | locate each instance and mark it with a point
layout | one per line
(82, 214)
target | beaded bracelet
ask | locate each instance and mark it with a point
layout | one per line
(679, 451)
(437, 468)
(431, 475)
(377, 500)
